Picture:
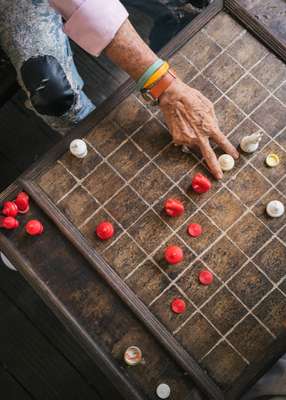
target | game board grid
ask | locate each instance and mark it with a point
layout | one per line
(175, 184)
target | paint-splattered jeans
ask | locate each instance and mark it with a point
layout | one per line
(31, 34)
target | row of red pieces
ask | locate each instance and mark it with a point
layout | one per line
(21, 205)
(172, 207)
(174, 254)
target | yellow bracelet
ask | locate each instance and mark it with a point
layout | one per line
(157, 75)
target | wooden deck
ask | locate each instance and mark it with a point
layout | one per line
(34, 345)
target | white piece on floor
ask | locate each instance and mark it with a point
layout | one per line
(163, 391)
(226, 162)
(249, 144)
(78, 148)
(275, 209)
(7, 262)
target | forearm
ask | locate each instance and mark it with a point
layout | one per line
(130, 52)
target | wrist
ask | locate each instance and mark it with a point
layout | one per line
(153, 93)
(170, 92)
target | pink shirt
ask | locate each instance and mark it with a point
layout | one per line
(92, 24)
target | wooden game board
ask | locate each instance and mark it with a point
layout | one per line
(265, 18)
(233, 330)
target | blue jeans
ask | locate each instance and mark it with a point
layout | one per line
(31, 34)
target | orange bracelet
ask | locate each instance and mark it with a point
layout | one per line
(152, 94)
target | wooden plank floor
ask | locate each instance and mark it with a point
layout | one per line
(38, 357)
(37, 354)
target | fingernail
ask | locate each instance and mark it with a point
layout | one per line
(220, 175)
(236, 156)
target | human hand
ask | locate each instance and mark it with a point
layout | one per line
(191, 119)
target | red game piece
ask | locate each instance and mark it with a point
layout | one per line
(195, 230)
(178, 306)
(201, 184)
(206, 277)
(9, 223)
(174, 208)
(105, 230)
(10, 209)
(22, 201)
(34, 227)
(174, 254)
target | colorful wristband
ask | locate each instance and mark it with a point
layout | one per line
(157, 75)
(148, 73)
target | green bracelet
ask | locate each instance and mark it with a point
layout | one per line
(147, 74)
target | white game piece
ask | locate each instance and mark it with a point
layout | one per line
(7, 262)
(226, 162)
(275, 209)
(78, 148)
(163, 391)
(249, 144)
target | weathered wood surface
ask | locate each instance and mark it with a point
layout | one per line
(271, 13)
(127, 176)
(44, 377)
(216, 84)
(265, 19)
(51, 333)
(98, 313)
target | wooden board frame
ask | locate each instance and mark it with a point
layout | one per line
(256, 27)
(27, 181)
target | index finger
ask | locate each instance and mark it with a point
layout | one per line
(211, 160)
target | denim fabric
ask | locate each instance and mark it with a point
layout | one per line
(31, 28)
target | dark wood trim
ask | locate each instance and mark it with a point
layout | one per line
(260, 30)
(125, 90)
(102, 360)
(9, 192)
(142, 312)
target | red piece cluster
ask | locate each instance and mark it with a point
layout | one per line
(201, 183)
(22, 202)
(174, 254)
(174, 208)
(34, 227)
(178, 306)
(10, 209)
(195, 230)
(105, 230)
(206, 277)
(9, 223)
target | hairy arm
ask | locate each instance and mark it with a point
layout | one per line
(189, 115)
(103, 25)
